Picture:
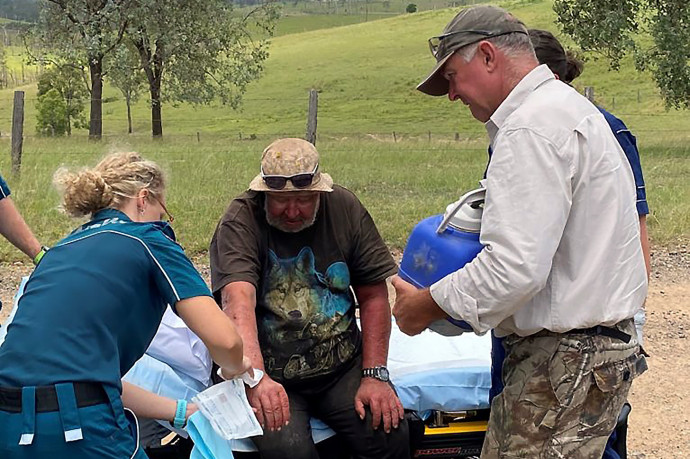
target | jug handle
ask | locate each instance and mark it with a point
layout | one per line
(469, 196)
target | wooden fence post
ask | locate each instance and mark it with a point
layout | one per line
(312, 116)
(17, 131)
(589, 93)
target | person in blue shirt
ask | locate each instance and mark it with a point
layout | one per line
(90, 310)
(14, 228)
(566, 67)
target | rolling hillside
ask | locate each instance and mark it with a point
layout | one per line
(366, 75)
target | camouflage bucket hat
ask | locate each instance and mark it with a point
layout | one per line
(469, 26)
(291, 165)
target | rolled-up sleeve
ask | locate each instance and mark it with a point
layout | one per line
(528, 199)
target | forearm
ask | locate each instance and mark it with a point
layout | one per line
(15, 229)
(644, 239)
(239, 304)
(375, 315)
(146, 404)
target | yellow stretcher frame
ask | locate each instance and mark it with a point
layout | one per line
(457, 427)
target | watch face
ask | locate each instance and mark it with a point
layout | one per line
(383, 374)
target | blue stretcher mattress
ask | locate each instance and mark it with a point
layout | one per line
(435, 372)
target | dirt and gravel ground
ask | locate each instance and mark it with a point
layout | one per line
(660, 420)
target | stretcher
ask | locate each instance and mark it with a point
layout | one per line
(444, 384)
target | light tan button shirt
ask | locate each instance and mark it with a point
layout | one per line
(560, 228)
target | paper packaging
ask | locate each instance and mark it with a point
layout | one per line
(226, 407)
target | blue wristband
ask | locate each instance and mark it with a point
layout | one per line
(180, 414)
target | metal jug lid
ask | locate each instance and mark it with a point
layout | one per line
(466, 213)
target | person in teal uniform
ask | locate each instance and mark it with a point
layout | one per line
(90, 310)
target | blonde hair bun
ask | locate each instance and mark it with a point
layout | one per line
(116, 178)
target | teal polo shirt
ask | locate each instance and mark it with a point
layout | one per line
(94, 303)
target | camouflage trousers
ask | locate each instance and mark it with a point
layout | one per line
(563, 394)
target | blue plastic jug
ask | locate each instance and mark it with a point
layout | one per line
(442, 244)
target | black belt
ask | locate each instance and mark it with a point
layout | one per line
(600, 330)
(86, 393)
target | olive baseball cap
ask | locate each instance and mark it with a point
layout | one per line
(467, 27)
(291, 165)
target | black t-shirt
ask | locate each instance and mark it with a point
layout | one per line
(305, 308)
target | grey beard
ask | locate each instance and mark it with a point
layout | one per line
(275, 222)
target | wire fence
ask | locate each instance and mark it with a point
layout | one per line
(640, 95)
(419, 141)
(367, 117)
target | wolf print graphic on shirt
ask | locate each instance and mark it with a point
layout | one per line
(307, 325)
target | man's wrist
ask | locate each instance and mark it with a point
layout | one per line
(39, 256)
(379, 373)
(432, 299)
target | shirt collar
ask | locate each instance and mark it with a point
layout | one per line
(517, 96)
(110, 213)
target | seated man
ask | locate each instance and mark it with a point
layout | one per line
(285, 260)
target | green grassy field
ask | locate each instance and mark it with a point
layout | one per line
(400, 183)
(20, 72)
(299, 23)
(344, 7)
(366, 73)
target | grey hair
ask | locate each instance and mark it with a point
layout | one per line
(512, 44)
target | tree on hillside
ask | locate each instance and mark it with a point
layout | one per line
(200, 49)
(83, 32)
(612, 27)
(68, 82)
(126, 74)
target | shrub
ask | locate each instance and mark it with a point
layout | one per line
(51, 119)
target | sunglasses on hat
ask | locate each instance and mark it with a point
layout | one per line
(278, 182)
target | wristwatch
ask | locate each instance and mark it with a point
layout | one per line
(380, 373)
(39, 256)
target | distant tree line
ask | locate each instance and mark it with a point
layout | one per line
(20, 10)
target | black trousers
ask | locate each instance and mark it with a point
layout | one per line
(334, 405)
